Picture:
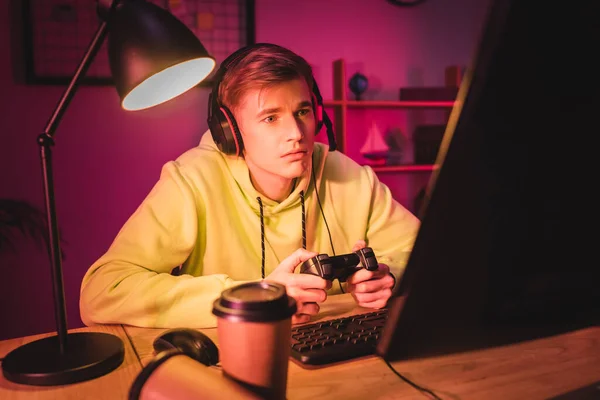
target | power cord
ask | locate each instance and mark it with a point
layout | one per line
(421, 389)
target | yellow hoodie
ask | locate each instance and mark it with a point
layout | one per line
(203, 214)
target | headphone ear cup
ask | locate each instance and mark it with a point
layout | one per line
(233, 132)
(215, 123)
(225, 132)
(318, 109)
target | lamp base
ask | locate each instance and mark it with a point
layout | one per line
(88, 355)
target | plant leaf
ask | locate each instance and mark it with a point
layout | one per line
(28, 220)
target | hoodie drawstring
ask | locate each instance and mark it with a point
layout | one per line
(262, 237)
(303, 220)
(262, 230)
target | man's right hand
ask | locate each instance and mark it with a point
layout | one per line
(308, 290)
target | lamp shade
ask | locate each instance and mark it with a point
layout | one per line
(153, 56)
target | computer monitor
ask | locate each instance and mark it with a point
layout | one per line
(507, 248)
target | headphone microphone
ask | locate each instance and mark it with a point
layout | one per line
(323, 118)
(221, 122)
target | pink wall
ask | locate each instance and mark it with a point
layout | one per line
(106, 159)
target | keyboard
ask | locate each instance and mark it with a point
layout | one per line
(341, 339)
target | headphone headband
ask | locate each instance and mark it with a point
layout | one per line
(221, 122)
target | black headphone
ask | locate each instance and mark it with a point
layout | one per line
(222, 124)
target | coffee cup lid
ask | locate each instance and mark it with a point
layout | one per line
(255, 302)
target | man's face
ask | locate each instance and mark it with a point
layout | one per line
(278, 129)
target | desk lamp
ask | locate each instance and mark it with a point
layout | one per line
(153, 58)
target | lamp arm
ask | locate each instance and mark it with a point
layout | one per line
(82, 68)
(46, 141)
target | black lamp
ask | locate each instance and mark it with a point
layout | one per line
(153, 57)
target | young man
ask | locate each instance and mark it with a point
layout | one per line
(257, 214)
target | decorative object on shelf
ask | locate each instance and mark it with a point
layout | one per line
(358, 83)
(375, 147)
(454, 74)
(396, 141)
(427, 140)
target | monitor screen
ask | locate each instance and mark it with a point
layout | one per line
(507, 246)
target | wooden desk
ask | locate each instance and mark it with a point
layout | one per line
(532, 370)
(112, 386)
(539, 369)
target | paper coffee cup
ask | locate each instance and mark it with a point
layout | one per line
(254, 329)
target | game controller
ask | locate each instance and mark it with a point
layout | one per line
(342, 266)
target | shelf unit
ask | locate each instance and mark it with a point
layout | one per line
(341, 104)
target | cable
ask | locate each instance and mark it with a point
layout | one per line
(323, 214)
(411, 383)
(321, 207)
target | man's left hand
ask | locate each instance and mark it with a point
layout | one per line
(370, 289)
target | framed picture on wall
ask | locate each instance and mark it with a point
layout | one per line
(57, 34)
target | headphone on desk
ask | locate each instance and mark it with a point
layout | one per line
(223, 127)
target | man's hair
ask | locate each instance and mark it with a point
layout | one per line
(263, 66)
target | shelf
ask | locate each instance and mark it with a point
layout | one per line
(342, 105)
(388, 104)
(404, 168)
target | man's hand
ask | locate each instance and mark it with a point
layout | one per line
(308, 290)
(370, 289)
